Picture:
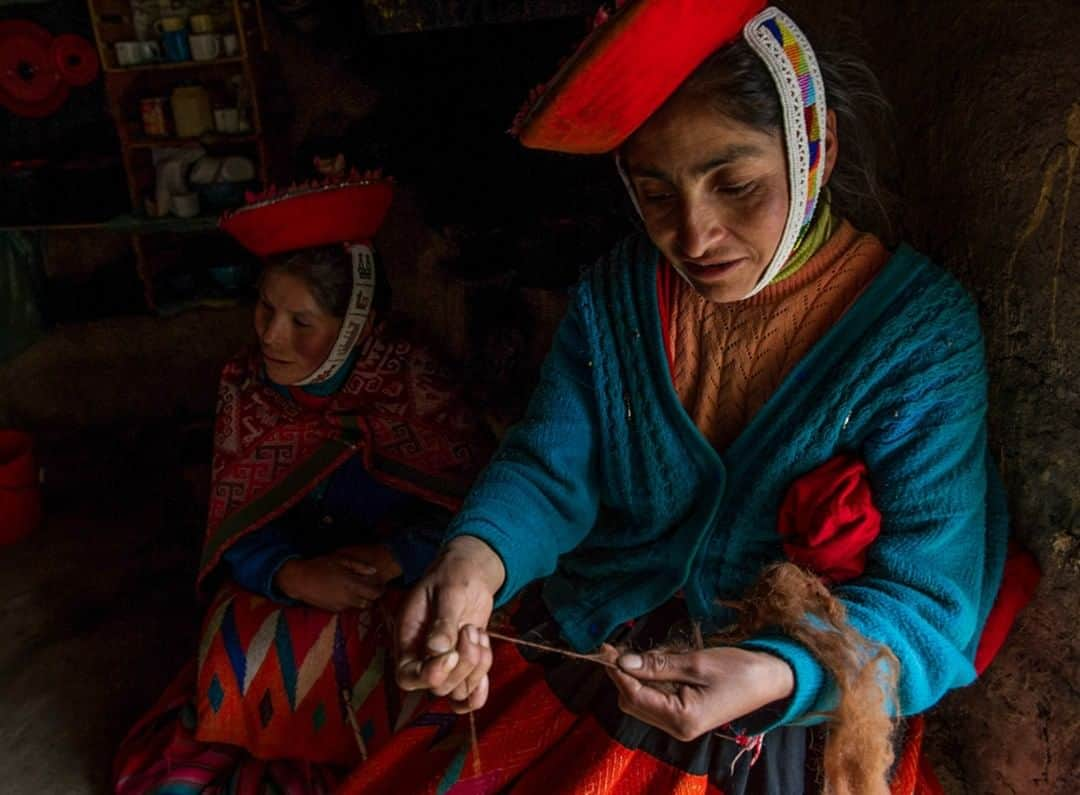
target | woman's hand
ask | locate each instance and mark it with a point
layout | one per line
(377, 556)
(441, 642)
(690, 694)
(334, 582)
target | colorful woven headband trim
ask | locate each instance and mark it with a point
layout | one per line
(794, 69)
(356, 318)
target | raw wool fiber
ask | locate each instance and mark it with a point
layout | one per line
(859, 746)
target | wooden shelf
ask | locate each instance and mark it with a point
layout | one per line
(125, 224)
(239, 76)
(173, 65)
(141, 225)
(201, 302)
(421, 16)
(63, 226)
(203, 140)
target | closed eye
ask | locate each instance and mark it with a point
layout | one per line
(741, 189)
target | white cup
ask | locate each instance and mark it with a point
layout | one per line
(205, 46)
(227, 120)
(230, 43)
(185, 205)
(129, 53)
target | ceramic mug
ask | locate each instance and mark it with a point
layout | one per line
(129, 53)
(185, 205)
(205, 46)
(230, 43)
(227, 120)
(201, 23)
(150, 51)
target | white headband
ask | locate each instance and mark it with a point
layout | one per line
(356, 317)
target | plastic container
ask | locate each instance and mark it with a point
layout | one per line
(192, 115)
(20, 490)
(231, 277)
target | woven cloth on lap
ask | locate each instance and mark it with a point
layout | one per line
(273, 678)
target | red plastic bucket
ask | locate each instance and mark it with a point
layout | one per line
(20, 492)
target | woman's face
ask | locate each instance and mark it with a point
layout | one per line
(713, 193)
(295, 333)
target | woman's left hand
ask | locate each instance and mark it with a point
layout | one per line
(378, 556)
(702, 690)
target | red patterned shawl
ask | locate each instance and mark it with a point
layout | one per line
(401, 409)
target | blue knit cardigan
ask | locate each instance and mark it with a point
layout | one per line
(608, 489)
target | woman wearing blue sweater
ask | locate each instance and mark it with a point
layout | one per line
(749, 339)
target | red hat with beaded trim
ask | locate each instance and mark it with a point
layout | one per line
(346, 212)
(310, 215)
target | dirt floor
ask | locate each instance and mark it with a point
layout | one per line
(97, 612)
(97, 609)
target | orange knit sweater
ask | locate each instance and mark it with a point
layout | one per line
(728, 359)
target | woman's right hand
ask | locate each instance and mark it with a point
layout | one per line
(441, 640)
(333, 582)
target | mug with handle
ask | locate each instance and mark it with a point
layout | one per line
(129, 53)
(149, 51)
(205, 46)
(185, 205)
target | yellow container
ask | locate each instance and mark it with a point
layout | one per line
(192, 115)
(202, 23)
(169, 25)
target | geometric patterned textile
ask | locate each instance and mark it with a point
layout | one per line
(532, 742)
(160, 756)
(273, 679)
(400, 409)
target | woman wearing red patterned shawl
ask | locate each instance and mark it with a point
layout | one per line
(341, 446)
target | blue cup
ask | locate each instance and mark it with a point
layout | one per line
(175, 44)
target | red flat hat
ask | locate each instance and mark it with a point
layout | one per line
(626, 70)
(312, 215)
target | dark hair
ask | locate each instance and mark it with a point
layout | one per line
(738, 84)
(327, 274)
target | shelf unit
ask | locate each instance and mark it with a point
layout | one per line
(392, 17)
(125, 87)
(130, 224)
